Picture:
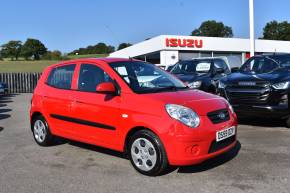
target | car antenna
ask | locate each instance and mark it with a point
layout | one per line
(116, 39)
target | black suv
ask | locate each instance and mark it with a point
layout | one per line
(261, 87)
(202, 74)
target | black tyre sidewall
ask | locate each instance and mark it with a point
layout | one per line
(48, 138)
(287, 122)
(161, 162)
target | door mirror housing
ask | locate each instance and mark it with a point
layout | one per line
(235, 69)
(106, 88)
(219, 70)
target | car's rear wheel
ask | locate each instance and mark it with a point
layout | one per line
(41, 132)
(147, 153)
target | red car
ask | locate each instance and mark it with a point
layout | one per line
(132, 107)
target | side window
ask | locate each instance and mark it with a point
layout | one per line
(218, 63)
(61, 77)
(90, 76)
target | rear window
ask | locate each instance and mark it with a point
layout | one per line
(61, 77)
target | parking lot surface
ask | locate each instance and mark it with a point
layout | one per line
(259, 163)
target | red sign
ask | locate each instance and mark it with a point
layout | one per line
(183, 43)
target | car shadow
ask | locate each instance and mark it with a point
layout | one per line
(98, 149)
(4, 99)
(207, 165)
(212, 163)
(5, 112)
(262, 122)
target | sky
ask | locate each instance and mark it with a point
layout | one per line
(66, 25)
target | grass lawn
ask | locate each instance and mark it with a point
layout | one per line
(25, 66)
(36, 66)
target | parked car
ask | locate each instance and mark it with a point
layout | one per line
(3, 88)
(204, 73)
(164, 67)
(261, 87)
(133, 107)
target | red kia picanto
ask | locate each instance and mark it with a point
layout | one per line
(132, 107)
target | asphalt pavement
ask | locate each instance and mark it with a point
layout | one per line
(259, 163)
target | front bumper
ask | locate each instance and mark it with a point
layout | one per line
(272, 106)
(200, 144)
(278, 111)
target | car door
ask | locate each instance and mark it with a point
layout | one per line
(57, 99)
(96, 115)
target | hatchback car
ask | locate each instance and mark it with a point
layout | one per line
(133, 107)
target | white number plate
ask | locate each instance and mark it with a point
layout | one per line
(226, 133)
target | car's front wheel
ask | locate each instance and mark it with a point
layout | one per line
(147, 153)
(41, 132)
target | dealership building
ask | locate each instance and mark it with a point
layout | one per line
(169, 49)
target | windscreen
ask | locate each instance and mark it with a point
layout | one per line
(266, 64)
(191, 66)
(145, 78)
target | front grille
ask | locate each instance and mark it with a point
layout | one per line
(219, 116)
(216, 146)
(253, 94)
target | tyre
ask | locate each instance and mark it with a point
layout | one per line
(41, 132)
(288, 122)
(147, 154)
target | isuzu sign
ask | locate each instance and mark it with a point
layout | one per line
(183, 43)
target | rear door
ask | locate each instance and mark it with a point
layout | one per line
(96, 115)
(57, 99)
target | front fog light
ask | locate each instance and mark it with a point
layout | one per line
(183, 114)
(284, 100)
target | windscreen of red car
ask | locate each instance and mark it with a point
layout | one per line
(143, 77)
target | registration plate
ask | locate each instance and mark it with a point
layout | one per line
(226, 133)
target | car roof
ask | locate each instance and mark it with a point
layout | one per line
(107, 60)
(274, 54)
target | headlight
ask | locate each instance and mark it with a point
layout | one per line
(183, 114)
(281, 85)
(1, 86)
(195, 84)
(221, 85)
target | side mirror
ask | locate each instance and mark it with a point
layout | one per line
(236, 69)
(219, 70)
(106, 88)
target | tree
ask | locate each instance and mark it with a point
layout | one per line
(211, 28)
(100, 48)
(33, 48)
(53, 55)
(11, 49)
(124, 45)
(274, 30)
